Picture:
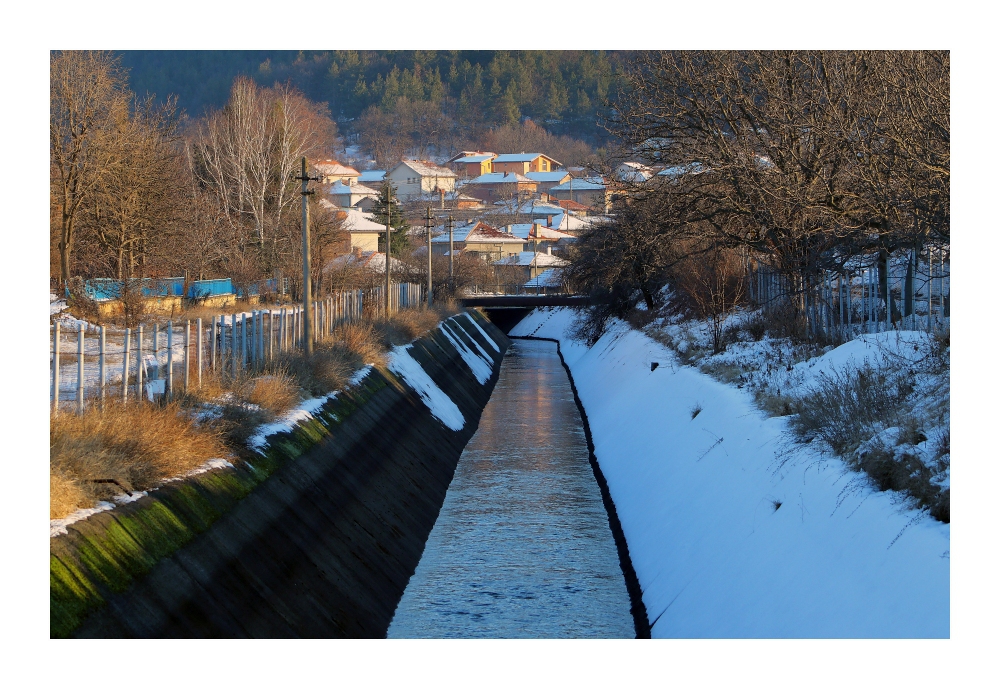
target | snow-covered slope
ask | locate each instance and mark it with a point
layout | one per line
(734, 531)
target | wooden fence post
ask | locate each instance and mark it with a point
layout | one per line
(55, 367)
(200, 347)
(128, 337)
(103, 362)
(234, 349)
(170, 360)
(187, 356)
(79, 370)
(211, 335)
(156, 348)
(138, 364)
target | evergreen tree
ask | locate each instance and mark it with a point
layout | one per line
(388, 204)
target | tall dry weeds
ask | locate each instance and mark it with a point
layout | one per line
(136, 445)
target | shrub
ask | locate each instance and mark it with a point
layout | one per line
(849, 406)
(136, 444)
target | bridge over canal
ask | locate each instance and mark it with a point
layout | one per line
(507, 310)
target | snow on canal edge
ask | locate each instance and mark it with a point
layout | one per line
(482, 367)
(734, 530)
(439, 404)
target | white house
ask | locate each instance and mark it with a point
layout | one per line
(414, 178)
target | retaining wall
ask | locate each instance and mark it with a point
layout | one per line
(317, 538)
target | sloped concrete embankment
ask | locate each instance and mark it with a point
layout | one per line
(318, 538)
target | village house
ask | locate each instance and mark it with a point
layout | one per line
(529, 264)
(352, 196)
(500, 186)
(473, 163)
(331, 171)
(547, 282)
(490, 243)
(415, 178)
(372, 178)
(592, 192)
(547, 180)
(358, 231)
(523, 163)
(541, 238)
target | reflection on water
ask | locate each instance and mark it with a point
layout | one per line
(522, 547)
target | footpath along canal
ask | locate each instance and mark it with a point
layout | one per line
(522, 547)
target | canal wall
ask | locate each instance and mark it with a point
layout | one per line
(734, 529)
(318, 537)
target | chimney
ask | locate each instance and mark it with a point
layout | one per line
(548, 249)
(548, 221)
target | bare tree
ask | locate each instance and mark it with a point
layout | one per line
(248, 153)
(87, 91)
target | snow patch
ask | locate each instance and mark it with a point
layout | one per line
(480, 369)
(439, 404)
(480, 329)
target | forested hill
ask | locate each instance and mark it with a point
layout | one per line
(562, 90)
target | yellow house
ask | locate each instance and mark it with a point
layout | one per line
(523, 163)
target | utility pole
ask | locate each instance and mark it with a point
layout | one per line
(430, 276)
(451, 254)
(388, 230)
(306, 281)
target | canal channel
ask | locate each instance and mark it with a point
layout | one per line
(522, 547)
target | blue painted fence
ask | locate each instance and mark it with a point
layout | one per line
(101, 289)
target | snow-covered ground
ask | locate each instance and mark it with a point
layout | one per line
(734, 529)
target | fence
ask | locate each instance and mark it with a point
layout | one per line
(912, 293)
(91, 362)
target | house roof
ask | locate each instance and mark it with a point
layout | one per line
(678, 170)
(573, 205)
(372, 176)
(486, 234)
(521, 158)
(426, 168)
(547, 278)
(527, 230)
(369, 260)
(531, 258)
(501, 178)
(338, 188)
(359, 221)
(589, 184)
(333, 167)
(557, 176)
(459, 233)
(475, 158)
(465, 154)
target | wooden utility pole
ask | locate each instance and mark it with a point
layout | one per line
(451, 254)
(388, 230)
(306, 282)
(430, 278)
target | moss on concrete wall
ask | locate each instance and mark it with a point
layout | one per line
(316, 537)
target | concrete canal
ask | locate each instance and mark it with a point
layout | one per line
(522, 547)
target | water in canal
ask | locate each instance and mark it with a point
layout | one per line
(522, 546)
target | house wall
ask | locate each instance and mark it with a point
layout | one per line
(519, 168)
(406, 181)
(366, 241)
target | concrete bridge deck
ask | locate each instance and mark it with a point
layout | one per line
(524, 301)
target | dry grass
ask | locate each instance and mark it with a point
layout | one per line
(136, 445)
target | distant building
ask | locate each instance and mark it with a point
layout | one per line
(331, 171)
(473, 163)
(500, 186)
(352, 196)
(592, 192)
(547, 180)
(372, 178)
(530, 263)
(415, 178)
(490, 243)
(523, 163)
